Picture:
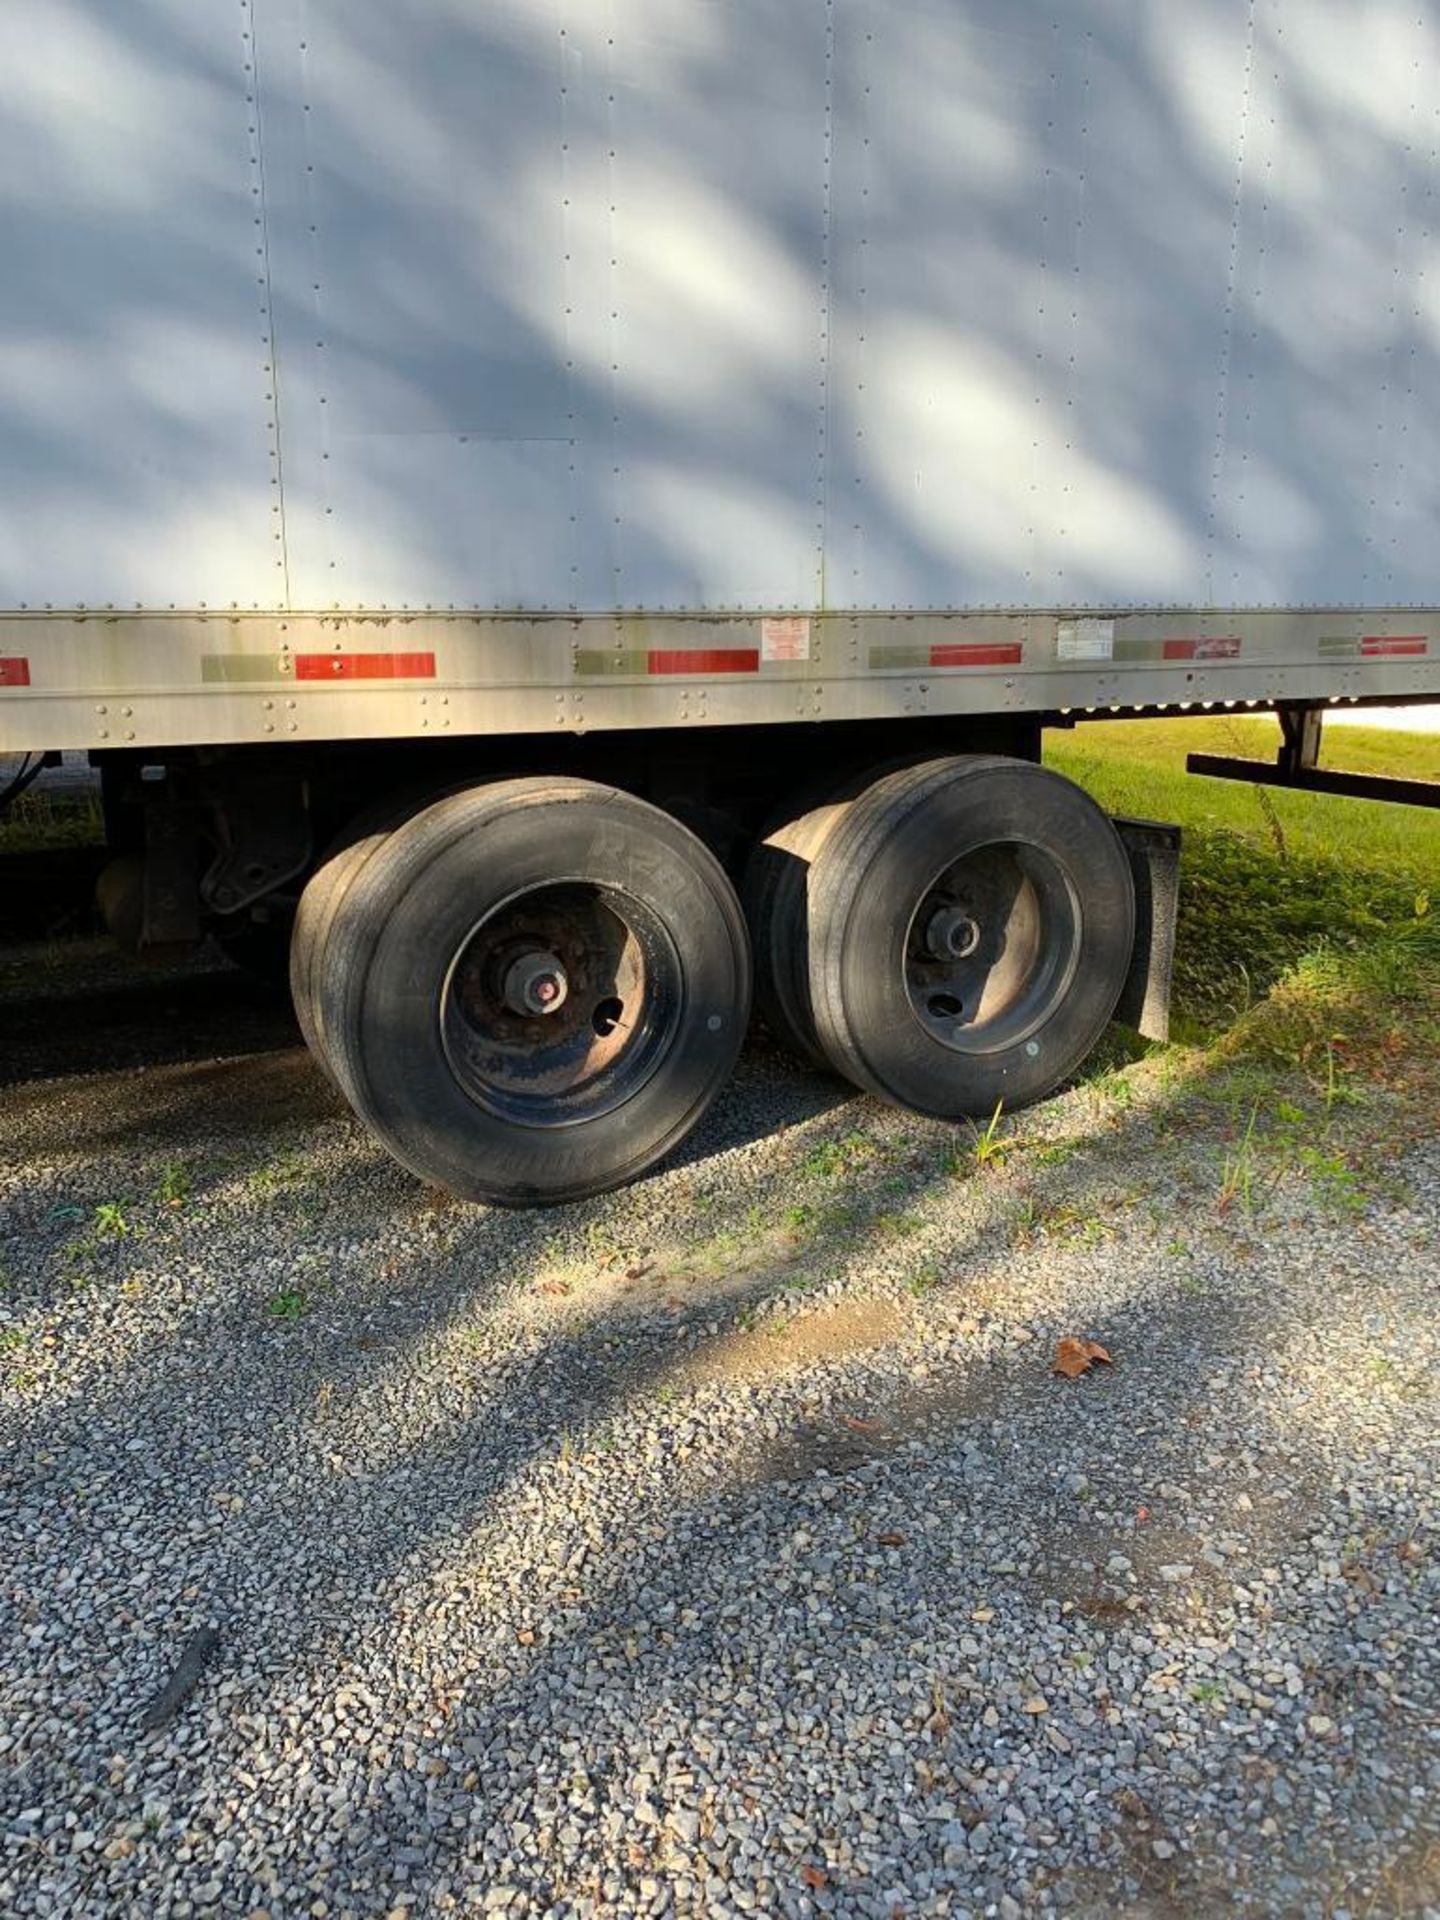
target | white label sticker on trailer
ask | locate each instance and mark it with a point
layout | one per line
(1085, 640)
(786, 638)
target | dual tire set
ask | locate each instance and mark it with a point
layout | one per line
(532, 990)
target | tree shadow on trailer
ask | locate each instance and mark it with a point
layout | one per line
(966, 447)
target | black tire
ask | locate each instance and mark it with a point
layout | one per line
(971, 927)
(774, 894)
(319, 903)
(581, 892)
(321, 899)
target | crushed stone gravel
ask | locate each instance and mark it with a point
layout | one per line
(722, 1547)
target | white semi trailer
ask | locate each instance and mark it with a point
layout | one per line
(482, 477)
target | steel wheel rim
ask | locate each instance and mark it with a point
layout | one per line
(991, 947)
(560, 1003)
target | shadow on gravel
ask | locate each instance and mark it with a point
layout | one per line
(377, 1521)
(179, 1107)
(67, 1010)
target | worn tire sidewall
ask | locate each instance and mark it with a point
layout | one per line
(865, 888)
(410, 912)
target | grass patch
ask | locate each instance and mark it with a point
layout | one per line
(1138, 767)
(1350, 1011)
(1291, 903)
(282, 1174)
(834, 1159)
(39, 821)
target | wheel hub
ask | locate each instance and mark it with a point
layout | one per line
(991, 943)
(560, 1003)
(951, 934)
(536, 983)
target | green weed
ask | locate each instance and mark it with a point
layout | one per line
(989, 1150)
(1334, 1181)
(832, 1159)
(111, 1222)
(1239, 1172)
(173, 1187)
(898, 1226)
(286, 1170)
(1029, 1219)
(1054, 1153)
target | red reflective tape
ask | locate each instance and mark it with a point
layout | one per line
(703, 660)
(14, 672)
(364, 666)
(977, 655)
(1384, 646)
(1222, 646)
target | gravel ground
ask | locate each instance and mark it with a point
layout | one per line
(722, 1547)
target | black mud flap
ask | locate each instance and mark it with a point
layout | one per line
(1154, 851)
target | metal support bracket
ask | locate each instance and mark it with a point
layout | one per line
(170, 916)
(267, 842)
(1295, 766)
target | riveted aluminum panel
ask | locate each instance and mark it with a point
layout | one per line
(697, 305)
(1328, 475)
(138, 453)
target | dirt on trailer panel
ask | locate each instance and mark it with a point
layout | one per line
(153, 680)
(430, 1505)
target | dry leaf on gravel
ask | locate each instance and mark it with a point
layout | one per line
(813, 1877)
(889, 1539)
(1074, 1357)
